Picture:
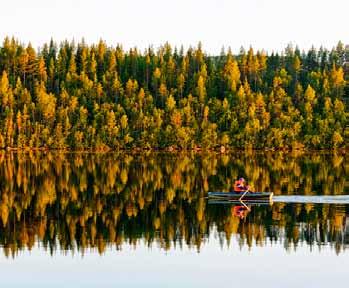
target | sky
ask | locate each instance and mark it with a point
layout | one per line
(263, 24)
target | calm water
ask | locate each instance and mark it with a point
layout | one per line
(121, 220)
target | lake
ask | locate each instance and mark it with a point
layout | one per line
(131, 220)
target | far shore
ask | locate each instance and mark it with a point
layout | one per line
(219, 150)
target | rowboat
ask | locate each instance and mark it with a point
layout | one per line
(249, 196)
(250, 203)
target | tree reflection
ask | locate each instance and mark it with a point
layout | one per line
(79, 201)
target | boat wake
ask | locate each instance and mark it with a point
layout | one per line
(333, 199)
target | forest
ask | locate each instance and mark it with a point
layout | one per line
(97, 97)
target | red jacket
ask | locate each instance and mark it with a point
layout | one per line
(239, 186)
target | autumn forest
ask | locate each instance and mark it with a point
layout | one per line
(81, 96)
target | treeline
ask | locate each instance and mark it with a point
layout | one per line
(83, 96)
(82, 201)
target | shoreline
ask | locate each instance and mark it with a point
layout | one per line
(174, 150)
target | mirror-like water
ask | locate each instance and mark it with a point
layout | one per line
(130, 215)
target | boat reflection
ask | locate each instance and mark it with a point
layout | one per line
(239, 208)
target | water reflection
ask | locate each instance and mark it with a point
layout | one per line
(79, 201)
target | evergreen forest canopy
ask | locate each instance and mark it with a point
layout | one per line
(81, 96)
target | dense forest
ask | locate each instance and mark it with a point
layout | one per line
(82, 201)
(79, 96)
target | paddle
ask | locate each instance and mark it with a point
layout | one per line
(247, 191)
(243, 195)
(243, 203)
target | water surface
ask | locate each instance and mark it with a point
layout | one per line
(118, 219)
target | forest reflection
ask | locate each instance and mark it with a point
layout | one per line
(82, 201)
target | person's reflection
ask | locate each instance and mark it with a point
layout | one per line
(240, 211)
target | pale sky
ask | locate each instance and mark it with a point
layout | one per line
(264, 24)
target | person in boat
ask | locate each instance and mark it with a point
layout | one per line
(240, 186)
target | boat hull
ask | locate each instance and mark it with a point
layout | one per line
(232, 196)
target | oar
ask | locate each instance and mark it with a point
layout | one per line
(243, 203)
(243, 195)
